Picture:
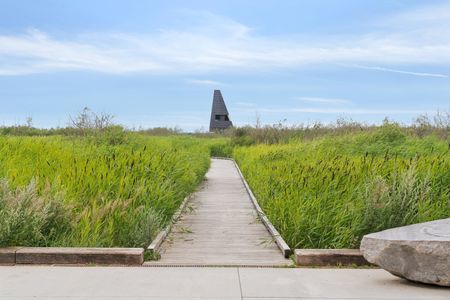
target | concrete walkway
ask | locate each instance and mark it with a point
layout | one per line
(46, 282)
(220, 226)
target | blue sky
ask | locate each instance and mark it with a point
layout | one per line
(156, 63)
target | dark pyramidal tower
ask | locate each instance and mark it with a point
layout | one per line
(219, 113)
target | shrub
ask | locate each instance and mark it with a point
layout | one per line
(112, 135)
(221, 149)
(27, 219)
(395, 201)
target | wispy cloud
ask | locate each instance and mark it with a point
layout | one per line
(421, 74)
(322, 100)
(336, 111)
(224, 44)
(205, 82)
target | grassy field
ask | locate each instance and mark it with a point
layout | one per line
(321, 186)
(73, 191)
(329, 191)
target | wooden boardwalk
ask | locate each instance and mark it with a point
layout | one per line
(220, 226)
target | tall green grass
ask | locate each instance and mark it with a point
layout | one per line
(330, 191)
(321, 187)
(74, 191)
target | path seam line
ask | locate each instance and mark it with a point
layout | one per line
(240, 284)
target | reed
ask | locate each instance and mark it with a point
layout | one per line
(330, 191)
(112, 194)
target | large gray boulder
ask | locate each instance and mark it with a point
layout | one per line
(419, 252)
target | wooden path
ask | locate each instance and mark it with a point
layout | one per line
(220, 226)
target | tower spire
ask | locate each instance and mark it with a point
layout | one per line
(219, 114)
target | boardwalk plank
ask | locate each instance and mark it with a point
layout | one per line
(221, 226)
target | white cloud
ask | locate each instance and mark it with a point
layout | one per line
(205, 82)
(37, 52)
(219, 43)
(346, 111)
(421, 74)
(324, 100)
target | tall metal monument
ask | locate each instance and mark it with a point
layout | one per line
(219, 114)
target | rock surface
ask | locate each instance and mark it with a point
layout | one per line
(419, 252)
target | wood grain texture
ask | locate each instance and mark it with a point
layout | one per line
(60, 255)
(329, 257)
(8, 255)
(220, 226)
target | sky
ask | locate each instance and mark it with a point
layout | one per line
(157, 63)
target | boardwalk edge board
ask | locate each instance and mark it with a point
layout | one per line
(71, 256)
(161, 236)
(282, 245)
(330, 257)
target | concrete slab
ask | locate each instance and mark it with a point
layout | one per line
(133, 298)
(118, 282)
(47, 282)
(333, 284)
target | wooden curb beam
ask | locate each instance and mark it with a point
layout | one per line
(273, 231)
(329, 257)
(8, 255)
(73, 256)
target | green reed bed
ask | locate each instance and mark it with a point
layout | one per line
(67, 191)
(329, 192)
